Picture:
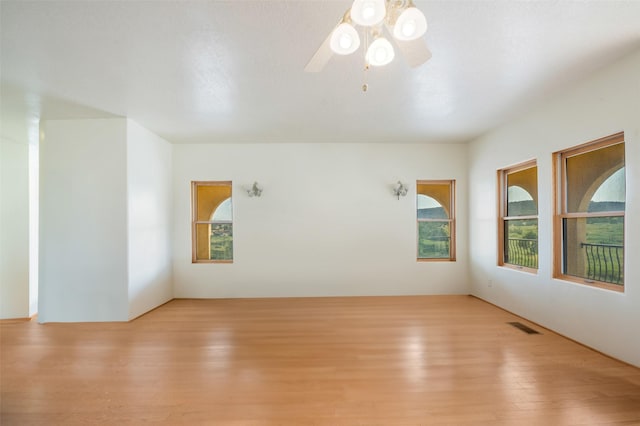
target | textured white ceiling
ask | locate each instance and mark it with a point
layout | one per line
(232, 71)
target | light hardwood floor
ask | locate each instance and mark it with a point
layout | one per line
(433, 360)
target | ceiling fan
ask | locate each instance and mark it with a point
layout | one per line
(400, 18)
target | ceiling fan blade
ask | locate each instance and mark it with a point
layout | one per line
(321, 57)
(415, 51)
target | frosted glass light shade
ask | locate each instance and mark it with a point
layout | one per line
(380, 52)
(411, 24)
(368, 12)
(344, 39)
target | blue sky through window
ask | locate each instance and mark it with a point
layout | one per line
(426, 202)
(611, 189)
(223, 212)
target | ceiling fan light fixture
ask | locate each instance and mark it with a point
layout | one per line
(403, 22)
(411, 24)
(380, 52)
(368, 12)
(344, 39)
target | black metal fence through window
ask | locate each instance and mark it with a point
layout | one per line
(522, 252)
(605, 262)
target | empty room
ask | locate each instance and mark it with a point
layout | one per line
(320, 212)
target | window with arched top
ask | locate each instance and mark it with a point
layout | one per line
(212, 222)
(590, 212)
(518, 216)
(436, 219)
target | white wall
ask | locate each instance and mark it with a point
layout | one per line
(106, 220)
(604, 104)
(327, 222)
(14, 227)
(34, 219)
(19, 140)
(149, 219)
(83, 218)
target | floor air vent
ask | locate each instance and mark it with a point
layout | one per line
(523, 327)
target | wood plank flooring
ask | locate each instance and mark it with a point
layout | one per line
(434, 360)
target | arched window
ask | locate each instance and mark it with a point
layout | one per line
(589, 213)
(518, 216)
(212, 224)
(436, 220)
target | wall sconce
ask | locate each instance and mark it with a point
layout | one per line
(400, 190)
(255, 190)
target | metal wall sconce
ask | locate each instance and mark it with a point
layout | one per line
(255, 190)
(400, 190)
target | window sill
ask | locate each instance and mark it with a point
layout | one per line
(434, 260)
(591, 283)
(518, 268)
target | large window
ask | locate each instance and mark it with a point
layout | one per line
(436, 220)
(212, 222)
(590, 209)
(518, 227)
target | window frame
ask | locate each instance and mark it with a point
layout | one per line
(195, 222)
(503, 218)
(561, 209)
(451, 220)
